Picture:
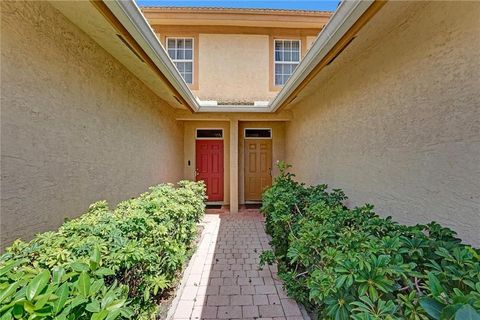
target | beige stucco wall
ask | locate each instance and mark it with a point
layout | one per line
(278, 149)
(395, 120)
(233, 67)
(310, 41)
(76, 126)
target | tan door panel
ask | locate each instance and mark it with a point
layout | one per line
(258, 167)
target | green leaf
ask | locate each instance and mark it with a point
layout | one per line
(9, 291)
(58, 273)
(115, 305)
(100, 315)
(113, 315)
(467, 313)
(95, 259)
(80, 266)
(62, 294)
(104, 272)
(432, 307)
(37, 284)
(83, 284)
(434, 285)
(93, 306)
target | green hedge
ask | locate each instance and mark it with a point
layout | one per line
(352, 264)
(107, 264)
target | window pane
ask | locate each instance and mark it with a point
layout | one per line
(188, 66)
(258, 133)
(278, 68)
(278, 80)
(286, 45)
(295, 45)
(180, 43)
(278, 45)
(188, 78)
(171, 53)
(180, 54)
(171, 43)
(295, 56)
(180, 66)
(278, 56)
(287, 56)
(188, 54)
(189, 43)
(209, 133)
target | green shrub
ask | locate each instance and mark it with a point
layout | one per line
(352, 264)
(105, 264)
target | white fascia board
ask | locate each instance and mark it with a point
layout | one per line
(234, 108)
(341, 21)
(131, 17)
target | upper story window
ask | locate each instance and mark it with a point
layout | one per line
(180, 51)
(287, 58)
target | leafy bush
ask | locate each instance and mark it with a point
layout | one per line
(105, 264)
(352, 264)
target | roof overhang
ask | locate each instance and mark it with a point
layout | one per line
(130, 24)
(195, 16)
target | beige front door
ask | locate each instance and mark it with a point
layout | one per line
(258, 167)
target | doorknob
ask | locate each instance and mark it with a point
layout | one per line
(196, 172)
(270, 170)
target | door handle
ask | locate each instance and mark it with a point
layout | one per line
(270, 170)
(196, 173)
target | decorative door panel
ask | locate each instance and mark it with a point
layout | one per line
(209, 163)
(258, 167)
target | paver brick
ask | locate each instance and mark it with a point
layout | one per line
(290, 307)
(265, 289)
(250, 312)
(241, 300)
(271, 311)
(273, 299)
(260, 299)
(248, 289)
(218, 300)
(208, 312)
(229, 290)
(229, 312)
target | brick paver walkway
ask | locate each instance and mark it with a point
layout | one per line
(223, 280)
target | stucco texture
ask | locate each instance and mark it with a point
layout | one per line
(395, 119)
(76, 126)
(234, 68)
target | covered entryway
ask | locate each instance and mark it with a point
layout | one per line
(209, 167)
(258, 163)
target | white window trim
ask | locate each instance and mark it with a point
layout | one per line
(215, 138)
(257, 138)
(184, 60)
(285, 62)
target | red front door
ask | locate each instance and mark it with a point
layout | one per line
(209, 162)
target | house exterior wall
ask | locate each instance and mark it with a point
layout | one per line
(234, 68)
(395, 120)
(229, 62)
(76, 126)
